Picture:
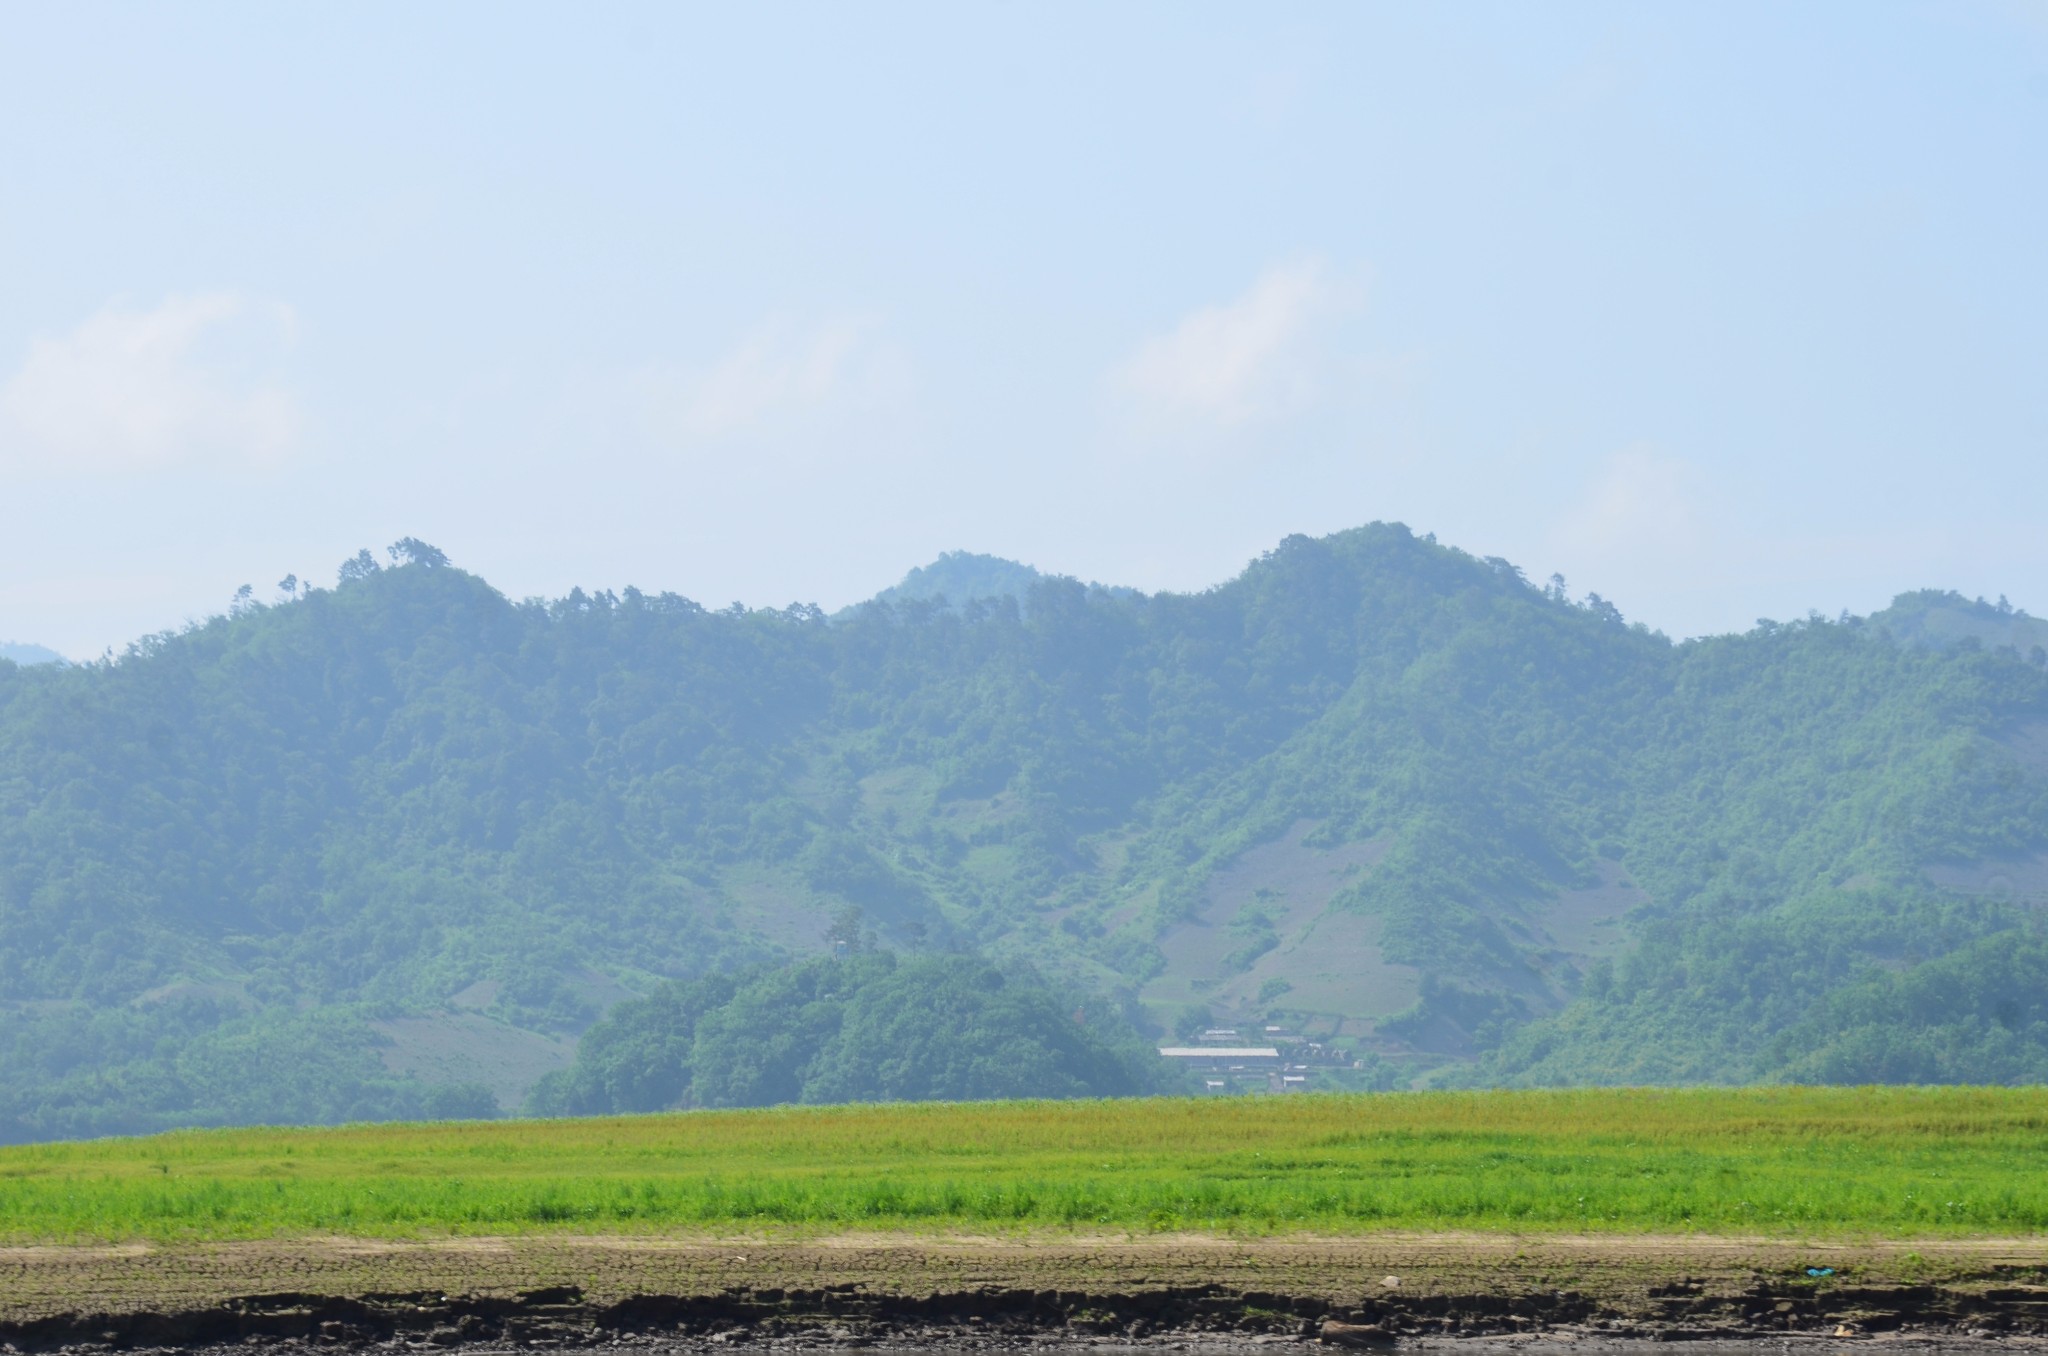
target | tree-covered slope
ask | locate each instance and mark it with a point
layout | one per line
(389, 847)
(865, 1027)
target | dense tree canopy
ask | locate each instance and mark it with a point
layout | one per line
(867, 1028)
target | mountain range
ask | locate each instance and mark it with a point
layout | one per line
(388, 848)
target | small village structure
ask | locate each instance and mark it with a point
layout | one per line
(1229, 1060)
(1243, 1068)
(1223, 1058)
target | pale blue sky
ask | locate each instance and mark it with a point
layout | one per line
(1725, 311)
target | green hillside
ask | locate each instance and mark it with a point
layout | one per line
(387, 849)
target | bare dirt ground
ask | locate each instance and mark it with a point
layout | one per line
(1194, 1293)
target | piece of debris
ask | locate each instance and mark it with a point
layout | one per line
(1390, 1282)
(1820, 1271)
(1844, 1330)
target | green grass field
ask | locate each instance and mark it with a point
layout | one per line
(1895, 1162)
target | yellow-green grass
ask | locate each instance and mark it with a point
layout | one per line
(1898, 1162)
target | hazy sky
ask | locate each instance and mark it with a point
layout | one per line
(1724, 311)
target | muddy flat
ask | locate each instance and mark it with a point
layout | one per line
(868, 1289)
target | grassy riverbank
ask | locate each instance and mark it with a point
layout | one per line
(1896, 1162)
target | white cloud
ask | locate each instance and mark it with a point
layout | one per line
(781, 375)
(1243, 360)
(136, 389)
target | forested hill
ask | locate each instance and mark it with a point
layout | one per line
(388, 847)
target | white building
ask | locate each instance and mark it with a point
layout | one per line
(1223, 1058)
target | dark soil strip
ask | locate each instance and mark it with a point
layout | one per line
(1357, 1294)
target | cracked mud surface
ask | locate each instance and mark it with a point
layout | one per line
(892, 1292)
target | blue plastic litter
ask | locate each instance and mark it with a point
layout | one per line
(1820, 1271)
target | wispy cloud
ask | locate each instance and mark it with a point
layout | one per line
(183, 382)
(781, 374)
(1641, 503)
(1239, 361)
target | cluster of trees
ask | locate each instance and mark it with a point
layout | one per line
(860, 1028)
(351, 803)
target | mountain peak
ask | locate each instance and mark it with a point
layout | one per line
(1942, 620)
(961, 577)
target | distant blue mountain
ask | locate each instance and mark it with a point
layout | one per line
(30, 654)
(962, 576)
(1944, 620)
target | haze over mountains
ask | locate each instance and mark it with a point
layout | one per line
(389, 847)
(19, 653)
